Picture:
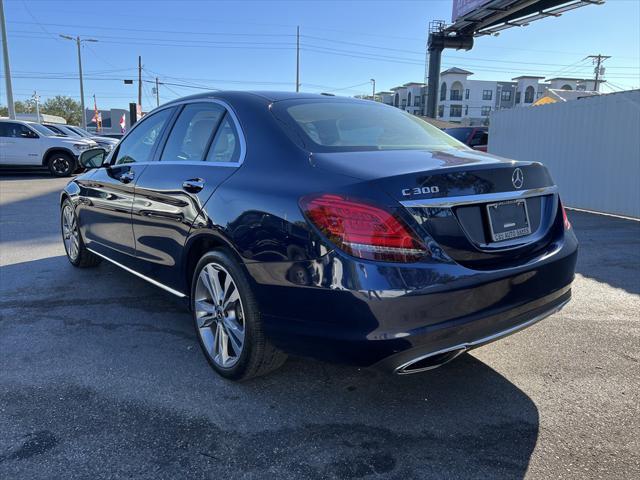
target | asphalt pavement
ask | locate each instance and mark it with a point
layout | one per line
(101, 377)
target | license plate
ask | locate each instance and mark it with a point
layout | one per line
(508, 220)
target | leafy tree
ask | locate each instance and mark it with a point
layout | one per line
(65, 107)
(21, 107)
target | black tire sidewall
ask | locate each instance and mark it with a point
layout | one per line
(251, 314)
(70, 160)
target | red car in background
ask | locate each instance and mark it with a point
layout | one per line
(475, 137)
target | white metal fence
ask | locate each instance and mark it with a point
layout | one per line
(590, 145)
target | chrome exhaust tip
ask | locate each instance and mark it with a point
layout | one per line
(430, 361)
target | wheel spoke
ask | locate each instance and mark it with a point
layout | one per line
(235, 332)
(215, 281)
(233, 297)
(223, 345)
(204, 278)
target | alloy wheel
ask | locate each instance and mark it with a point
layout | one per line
(219, 315)
(60, 165)
(70, 233)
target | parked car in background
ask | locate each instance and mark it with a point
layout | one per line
(30, 144)
(72, 131)
(329, 227)
(474, 137)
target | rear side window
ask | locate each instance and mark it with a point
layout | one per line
(15, 130)
(192, 133)
(226, 144)
(139, 144)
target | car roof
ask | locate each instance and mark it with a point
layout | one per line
(267, 95)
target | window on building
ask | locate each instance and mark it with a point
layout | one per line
(485, 111)
(443, 91)
(396, 100)
(455, 111)
(487, 94)
(505, 96)
(529, 94)
(409, 99)
(517, 97)
(466, 94)
(566, 87)
(455, 95)
(416, 101)
(440, 111)
(466, 110)
(404, 103)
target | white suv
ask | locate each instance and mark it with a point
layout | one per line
(31, 144)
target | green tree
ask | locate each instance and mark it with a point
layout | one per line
(65, 107)
(21, 107)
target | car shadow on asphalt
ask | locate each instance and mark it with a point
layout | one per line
(306, 420)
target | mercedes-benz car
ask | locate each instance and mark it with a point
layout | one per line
(327, 227)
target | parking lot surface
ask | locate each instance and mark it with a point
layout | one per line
(101, 376)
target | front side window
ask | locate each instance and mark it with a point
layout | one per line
(358, 126)
(139, 144)
(226, 144)
(41, 130)
(15, 130)
(192, 132)
(479, 138)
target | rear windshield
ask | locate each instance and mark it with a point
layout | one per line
(461, 134)
(344, 126)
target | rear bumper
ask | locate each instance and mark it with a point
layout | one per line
(364, 313)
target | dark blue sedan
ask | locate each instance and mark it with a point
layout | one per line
(313, 225)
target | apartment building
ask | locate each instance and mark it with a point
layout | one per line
(470, 102)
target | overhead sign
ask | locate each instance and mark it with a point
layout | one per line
(462, 7)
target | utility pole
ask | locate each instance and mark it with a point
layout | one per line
(373, 89)
(597, 60)
(157, 93)
(140, 83)
(36, 99)
(79, 43)
(7, 70)
(298, 58)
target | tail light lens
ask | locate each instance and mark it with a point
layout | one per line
(363, 230)
(565, 219)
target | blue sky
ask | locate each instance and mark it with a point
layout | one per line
(251, 45)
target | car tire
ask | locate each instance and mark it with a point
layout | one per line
(77, 253)
(62, 164)
(230, 317)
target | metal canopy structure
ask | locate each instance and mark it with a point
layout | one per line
(474, 18)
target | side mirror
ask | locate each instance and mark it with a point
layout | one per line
(93, 158)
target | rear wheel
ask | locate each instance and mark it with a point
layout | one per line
(227, 320)
(77, 253)
(61, 165)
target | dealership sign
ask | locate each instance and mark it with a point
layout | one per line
(462, 7)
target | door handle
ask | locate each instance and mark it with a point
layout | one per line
(193, 185)
(127, 177)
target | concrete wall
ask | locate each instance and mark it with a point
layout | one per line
(590, 145)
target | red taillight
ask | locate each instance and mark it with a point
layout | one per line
(565, 219)
(363, 230)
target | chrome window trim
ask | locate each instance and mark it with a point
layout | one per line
(138, 274)
(448, 202)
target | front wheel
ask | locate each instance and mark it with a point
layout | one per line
(227, 320)
(62, 165)
(77, 252)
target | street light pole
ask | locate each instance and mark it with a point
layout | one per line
(78, 43)
(373, 92)
(7, 70)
